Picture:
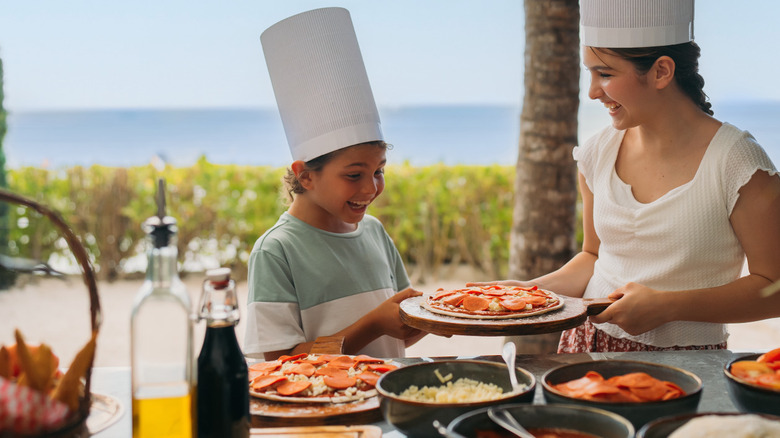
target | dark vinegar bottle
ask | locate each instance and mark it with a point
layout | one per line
(223, 389)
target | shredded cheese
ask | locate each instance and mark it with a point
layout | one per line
(442, 379)
(462, 390)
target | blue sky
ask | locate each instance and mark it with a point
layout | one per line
(180, 53)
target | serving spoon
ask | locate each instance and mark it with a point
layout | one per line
(509, 353)
(508, 421)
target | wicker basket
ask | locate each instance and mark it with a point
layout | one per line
(75, 425)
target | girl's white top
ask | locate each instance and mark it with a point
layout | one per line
(681, 241)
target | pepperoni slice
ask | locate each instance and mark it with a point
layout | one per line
(263, 382)
(331, 371)
(443, 293)
(536, 301)
(342, 362)
(265, 367)
(454, 300)
(368, 378)
(305, 369)
(631, 387)
(513, 303)
(293, 387)
(339, 382)
(475, 304)
(382, 368)
(362, 358)
(285, 358)
(328, 357)
(316, 361)
(494, 291)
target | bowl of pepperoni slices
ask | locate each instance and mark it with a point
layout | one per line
(753, 382)
(639, 391)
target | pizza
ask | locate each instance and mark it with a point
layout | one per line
(313, 378)
(492, 302)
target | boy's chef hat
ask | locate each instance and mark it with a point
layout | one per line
(636, 23)
(320, 83)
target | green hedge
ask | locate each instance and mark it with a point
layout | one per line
(435, 214)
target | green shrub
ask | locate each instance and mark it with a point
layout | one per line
(435, 214)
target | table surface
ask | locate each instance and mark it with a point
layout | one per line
(708, 365)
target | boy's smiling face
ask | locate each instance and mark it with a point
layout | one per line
(338, 195)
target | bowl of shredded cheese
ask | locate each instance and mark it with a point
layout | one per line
(412, 397)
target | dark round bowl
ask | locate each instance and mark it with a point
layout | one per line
(748, 397)
(663, 427)
(637, 413)
(416, 418)
(594, 421)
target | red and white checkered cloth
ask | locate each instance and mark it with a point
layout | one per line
(25, 411)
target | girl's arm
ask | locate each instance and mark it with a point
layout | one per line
(385, 319)
(571, 278)
(756, 222)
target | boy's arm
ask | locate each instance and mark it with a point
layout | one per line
(385, 319)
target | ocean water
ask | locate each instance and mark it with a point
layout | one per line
(420, 135)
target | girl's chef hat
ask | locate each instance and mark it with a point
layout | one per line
(320, 83)
(636, 23)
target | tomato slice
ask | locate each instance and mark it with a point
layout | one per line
(771, 356)
(771, 381)
(749, 369)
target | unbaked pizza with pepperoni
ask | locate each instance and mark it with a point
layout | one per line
(317, 378)
(492, 302)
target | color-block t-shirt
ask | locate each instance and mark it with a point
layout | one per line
(305, 282)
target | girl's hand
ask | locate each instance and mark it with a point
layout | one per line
(387, 317)
(637, 309)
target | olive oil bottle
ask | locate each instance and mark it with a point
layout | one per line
(161, 338)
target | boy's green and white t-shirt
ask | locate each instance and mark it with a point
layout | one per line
(305, 282)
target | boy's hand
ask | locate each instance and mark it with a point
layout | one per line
(387, 316)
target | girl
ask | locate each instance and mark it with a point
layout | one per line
(326, 268)
(674, 200)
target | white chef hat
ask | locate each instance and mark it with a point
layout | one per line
(636, 23)
(320, 83)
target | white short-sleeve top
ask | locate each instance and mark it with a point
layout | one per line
(683, 240)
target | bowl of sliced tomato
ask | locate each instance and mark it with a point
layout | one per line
(754, 382)
(639, 391)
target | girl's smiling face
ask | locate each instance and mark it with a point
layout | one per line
(339, 194)
(615, 82)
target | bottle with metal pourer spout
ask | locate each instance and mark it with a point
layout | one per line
(223, 389)
(161, 339)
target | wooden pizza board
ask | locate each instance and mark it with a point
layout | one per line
(268, 413)
(319, 432)
(573, 313)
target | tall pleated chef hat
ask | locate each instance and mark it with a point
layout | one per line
(636, 23)
(320, 83)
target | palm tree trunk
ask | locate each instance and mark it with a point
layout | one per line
(543, 235)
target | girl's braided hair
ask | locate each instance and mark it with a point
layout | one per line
(686, 60)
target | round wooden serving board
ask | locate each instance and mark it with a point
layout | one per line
(573, 313)
(267, 413)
